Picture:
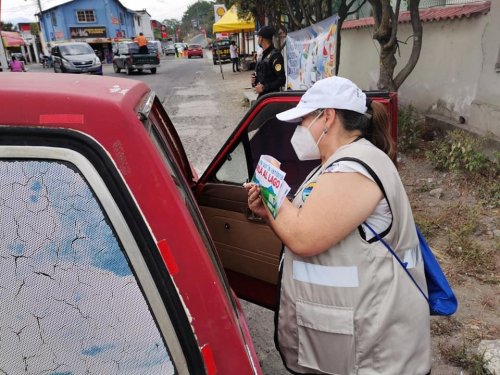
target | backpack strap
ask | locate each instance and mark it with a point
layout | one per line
(403, 264)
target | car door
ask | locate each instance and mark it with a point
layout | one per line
(248, 248)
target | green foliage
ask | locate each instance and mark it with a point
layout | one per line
(202, 11)
(460, 151)
(409, 129)
(460, 356)
(7, 26)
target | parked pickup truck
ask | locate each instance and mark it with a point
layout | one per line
(127, 57)
(119, 261)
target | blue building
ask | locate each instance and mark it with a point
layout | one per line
(97, 22)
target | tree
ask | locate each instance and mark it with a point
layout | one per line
(7, 26)
(303, 13)
(172, 24)
(386, 28)
(260, 9)
(202, 13)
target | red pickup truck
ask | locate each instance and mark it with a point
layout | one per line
(114, 258)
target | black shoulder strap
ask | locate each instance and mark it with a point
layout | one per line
(379, 183)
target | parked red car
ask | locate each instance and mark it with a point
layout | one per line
(114, 258)
(195, 50)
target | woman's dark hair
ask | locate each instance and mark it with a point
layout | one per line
(376, 129)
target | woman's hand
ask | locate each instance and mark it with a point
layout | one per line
(255, 200)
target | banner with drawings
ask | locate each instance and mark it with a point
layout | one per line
(311, 54)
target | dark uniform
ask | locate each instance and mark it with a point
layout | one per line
(270, 70)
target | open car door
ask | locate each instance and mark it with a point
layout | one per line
(248, 248)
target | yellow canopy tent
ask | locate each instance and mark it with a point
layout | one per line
(230, 23)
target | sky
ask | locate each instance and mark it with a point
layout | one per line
(158, 9)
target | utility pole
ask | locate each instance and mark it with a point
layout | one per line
(42, 30)
(3, 54)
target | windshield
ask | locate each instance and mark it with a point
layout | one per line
(194, 46)
(76, 49)
(221, 43)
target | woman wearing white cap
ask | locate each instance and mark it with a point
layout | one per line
(346, 306)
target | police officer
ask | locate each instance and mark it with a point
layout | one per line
(270, 70)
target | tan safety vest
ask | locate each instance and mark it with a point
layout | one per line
(352, 309)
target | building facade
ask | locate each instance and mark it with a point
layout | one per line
(142, 24)
(97, 22)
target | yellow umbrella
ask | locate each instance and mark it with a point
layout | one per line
(230, 23)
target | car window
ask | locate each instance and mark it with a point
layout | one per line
(222, 43)
(266, 135)
(234, 170)
(76, 49)
(71, 301)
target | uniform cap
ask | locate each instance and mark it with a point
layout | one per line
(332, 92)
(266, 32)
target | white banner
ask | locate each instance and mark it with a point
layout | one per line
(219, 11)
(311, 54)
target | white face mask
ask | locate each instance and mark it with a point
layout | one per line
(304, 144)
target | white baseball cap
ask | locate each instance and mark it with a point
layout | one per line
(331, 92)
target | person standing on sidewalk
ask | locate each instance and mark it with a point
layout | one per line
(143, 43)
(270, 69)
(233, 51)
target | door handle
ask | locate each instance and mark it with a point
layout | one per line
(252, 217)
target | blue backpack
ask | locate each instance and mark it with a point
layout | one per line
(441, 299)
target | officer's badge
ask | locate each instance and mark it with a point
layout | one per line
(278, 67)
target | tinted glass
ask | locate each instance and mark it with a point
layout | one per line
(76, 49)
(70, 303)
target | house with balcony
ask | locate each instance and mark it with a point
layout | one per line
(97, 22)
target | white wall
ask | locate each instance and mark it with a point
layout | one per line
(454, 76)
(144, 25)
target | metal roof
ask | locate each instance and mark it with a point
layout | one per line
(429, 14)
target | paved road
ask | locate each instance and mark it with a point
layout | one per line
(205, 110)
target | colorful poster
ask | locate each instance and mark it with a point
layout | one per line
(311, 54)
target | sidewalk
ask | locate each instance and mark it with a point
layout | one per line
(232, 80)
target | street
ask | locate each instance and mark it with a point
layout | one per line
(205, 109)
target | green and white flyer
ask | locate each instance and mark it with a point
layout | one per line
(271, 179)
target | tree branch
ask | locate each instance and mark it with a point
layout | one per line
(291, 13)
(395, 20)
(416, 24)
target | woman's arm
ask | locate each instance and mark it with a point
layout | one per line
(338, 204)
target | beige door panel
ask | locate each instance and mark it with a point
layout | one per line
(244, 246)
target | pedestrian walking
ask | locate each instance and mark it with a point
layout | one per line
(269, 71)
(142, 42)
(346, 306)
(235, 58)
(16, 65)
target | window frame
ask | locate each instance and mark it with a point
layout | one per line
(85, 13)
(167, 296)
(53, 18)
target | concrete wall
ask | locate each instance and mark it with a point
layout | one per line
(142, 24)
(455, 76)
